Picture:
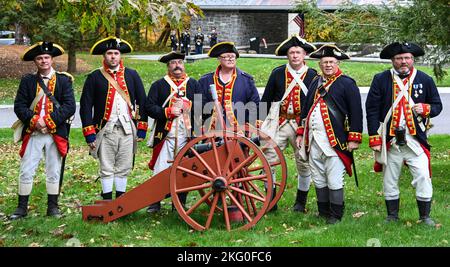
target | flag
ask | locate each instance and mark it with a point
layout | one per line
(300, 21)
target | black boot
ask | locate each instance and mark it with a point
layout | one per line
(336, 206)
(424, 212)
(323, 202)
(52, 206)
(336, 213)
(119, 193)
(155, 207)
(22, 208)
(275, 207)
(392, 207)
(107, 196)
(300, 201)
(182, 197)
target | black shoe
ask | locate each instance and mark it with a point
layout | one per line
(336, 213)
(182, 197)
(392, 207)
(107, 196)
(52, 206)
(155, 207)
(22, 208)
(119, 193)
(424, 212)
(274, 208)
(300, 201)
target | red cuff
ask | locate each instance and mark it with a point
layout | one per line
(51, 125)
(426, 110)
(33, 122)
(375, 140)
(142, 125)
(354, 137)
(300, 130)
(88, 130)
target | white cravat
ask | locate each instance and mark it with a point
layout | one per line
(45, 78)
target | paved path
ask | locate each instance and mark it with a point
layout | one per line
(441, 125)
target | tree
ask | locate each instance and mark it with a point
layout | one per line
(75, 23)
(423, 22)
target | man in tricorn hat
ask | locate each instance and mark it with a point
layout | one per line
(170, 103)
(331, 130)
(44, 102)
(112, 114)
(289, 84)
(402, 100)
(235, 88)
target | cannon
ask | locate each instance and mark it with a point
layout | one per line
(224, 174)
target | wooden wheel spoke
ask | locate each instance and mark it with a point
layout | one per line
(250, 201)
(246, 162)
(275, 183)
(225, 211)
(257, 168)
(192, 188)
(229, 158)
(236, 202)
(199, 175)
(216, 156)
(201, 200)
(202, 160)
(256, 189)
(262, 199)
(211, 211)
(249, 178)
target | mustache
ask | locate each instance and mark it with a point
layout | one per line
(177, 68)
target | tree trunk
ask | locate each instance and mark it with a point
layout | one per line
(72, 59)
(162, 40)
(19, 34)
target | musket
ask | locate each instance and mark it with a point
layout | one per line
(63, 163)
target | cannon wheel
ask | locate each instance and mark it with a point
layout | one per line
(279, 166)
(229, 181)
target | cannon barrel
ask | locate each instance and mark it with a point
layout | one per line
(200, 148)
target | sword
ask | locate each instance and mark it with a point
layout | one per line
(354, 170)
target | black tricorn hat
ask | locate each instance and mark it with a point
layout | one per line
(329, 50)
(294, 40)
(396, 48)
(112, 42)
(41, 48)
(223, 47)
(170, 56)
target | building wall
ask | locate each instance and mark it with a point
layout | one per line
(239, 27)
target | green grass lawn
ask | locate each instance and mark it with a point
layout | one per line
(151, 71)
(363, 219)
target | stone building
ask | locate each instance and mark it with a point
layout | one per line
(273, 20)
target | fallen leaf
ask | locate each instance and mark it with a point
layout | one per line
(295, 242)
(57, 231)
(359, 214)
(268, 229)
(192, 244)
(239, 241)
(408, 223)
(438, 226)
(444, 241)
(34, 245)
(92, 240)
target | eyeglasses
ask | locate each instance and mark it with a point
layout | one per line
(403, 58)
(229, 58)
(175, 61)
(324, 63)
